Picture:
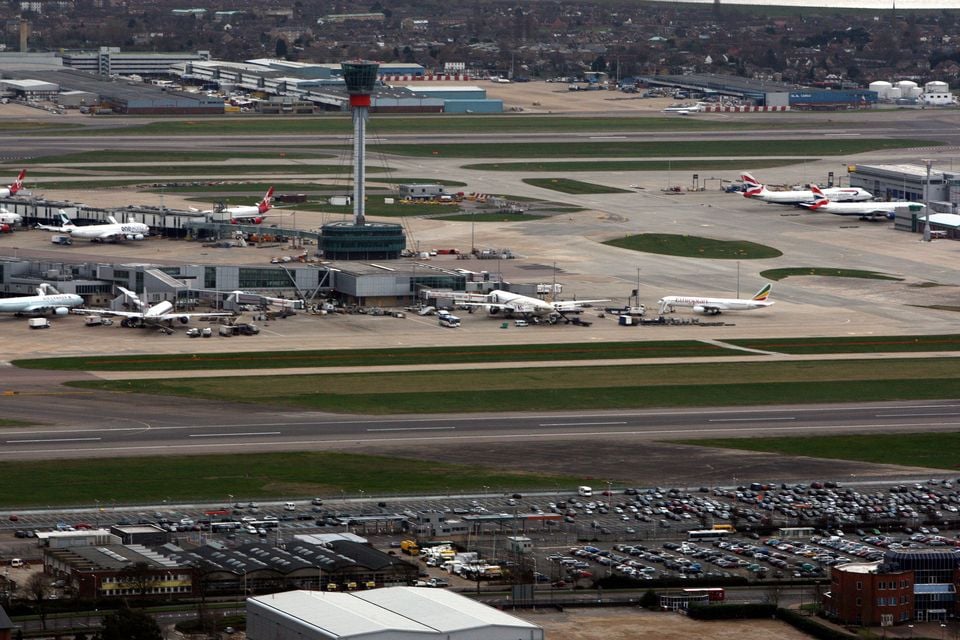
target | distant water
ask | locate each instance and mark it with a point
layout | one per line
(839, 4)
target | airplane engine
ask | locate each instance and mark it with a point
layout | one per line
(61, 311)
(138, 236)
(257, 220)
(705, 310)
(5, 228)
(183, 319)
(494, 310)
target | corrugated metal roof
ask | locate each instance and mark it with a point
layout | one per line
(444, 611)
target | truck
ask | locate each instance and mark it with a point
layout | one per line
(61, 240)
(38, 323)
(410, 547)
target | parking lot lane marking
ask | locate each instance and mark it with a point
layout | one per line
(230, 435)
(749, 419)
(54, 440)
(577, 424)
(414, 429)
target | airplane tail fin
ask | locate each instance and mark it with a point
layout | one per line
(264, 205)
(751, 186)
(764, 293)
(819, 198)
(65, 221)
(18, 183)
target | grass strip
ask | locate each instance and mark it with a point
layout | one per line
(377, 357)
(248, 476)
(930, 450)
(233, 169)
(669, 244)
(109, 155)
(858, 344)
(657, 149)
(565, 185)
(517, 390)
(384, 124)
(829, 272)
(637, 165)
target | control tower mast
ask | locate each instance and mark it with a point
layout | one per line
(360, 77)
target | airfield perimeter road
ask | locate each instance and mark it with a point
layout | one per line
(566, 247)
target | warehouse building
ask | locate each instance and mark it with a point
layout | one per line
(408, 612)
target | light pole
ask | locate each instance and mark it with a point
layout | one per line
(926, 201)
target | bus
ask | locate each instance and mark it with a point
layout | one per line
(707, 534)
(714, 594)
(724, 527)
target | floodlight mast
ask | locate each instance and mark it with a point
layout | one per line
(360, 77)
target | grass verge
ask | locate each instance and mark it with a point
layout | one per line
(931, 450)
(694, 247)
(108, 155)
(860, 344)
(636, 165)
(565, 185)
(251, 476)
(374, 357)
(558, 388)
(781, 274)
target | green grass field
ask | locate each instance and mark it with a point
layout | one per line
(864, 344)
(781, 274)
(375, 357)
(681, 148)
(565, 185)
(636, 165)
(110, 155)
(695, 247)
(340, 124)
(574, 388)
(249, 476)
(930, 450)
(256, 170)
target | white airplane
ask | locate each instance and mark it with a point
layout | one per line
(110, 232)
(8, 217)
(865, 210)
(47, 299)
(513, 304)
(160, 315)
(247, 214)
(15, 187)
(755, 189)
(683, 109)
(713, 306)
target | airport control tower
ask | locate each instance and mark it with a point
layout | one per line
(360, 78)
(359, 240)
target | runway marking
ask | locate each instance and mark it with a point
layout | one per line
(748, 419)
(577, 424)
(415, 429)
(498, 436)
(54, 440)
(230, 435)
(913, 415)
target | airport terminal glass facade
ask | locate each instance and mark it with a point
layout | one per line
(347, 241)
(263, 278)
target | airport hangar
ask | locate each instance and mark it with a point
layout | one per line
(765, 93)
(393, 612)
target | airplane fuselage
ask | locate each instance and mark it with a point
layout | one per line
(32, 304)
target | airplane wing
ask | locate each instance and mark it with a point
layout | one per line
(176, 316)
(108, 312)
(574, 305)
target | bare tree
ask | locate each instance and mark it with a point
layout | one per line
(36, 589)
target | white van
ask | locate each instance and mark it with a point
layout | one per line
(584, 491)
(16, 563)
(289, 506)
(521, 323)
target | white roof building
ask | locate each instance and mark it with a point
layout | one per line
(409, 613)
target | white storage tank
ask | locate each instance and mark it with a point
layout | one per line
(882, 87)
(915, 92)
(936, 86)
(894, 93)
(906, 86)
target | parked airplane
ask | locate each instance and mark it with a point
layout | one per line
(15, 187)
(865, 210)
(160, 315)
(513, 304)
(7, 217)
(247, 214)
(713, 306)
(47, 299)
(755, 189)
(111, 232)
